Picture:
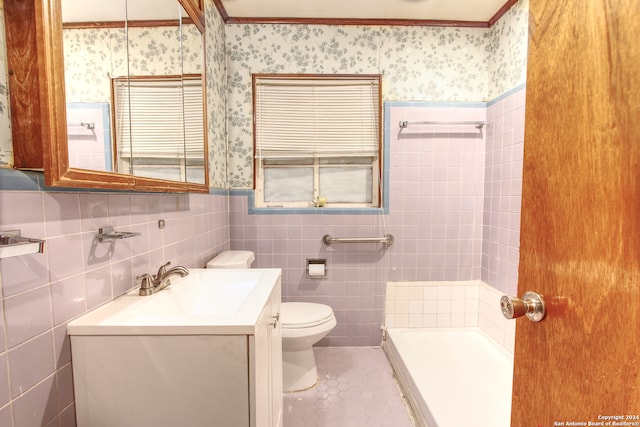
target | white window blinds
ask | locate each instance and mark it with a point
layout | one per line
(159, 117)
(316, 117)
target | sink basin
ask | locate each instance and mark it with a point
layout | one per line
(204, 302)
(207, 348)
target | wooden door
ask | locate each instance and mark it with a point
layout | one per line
(580, 232)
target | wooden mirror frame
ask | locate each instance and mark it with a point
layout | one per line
(38, 103)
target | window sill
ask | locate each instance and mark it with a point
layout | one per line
(253, 210)
(314, 211)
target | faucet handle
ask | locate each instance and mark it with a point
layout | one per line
(162, 270)
(146, 284)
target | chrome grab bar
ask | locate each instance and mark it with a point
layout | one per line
(387, 239)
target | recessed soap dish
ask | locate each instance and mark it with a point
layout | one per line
(108, 234)
(13, 244)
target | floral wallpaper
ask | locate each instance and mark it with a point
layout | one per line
(417, 64)
(6, 149)
(508, 50)
(216, 97)
(93, 56)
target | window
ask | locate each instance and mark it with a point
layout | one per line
(159, 127)
(317, 141)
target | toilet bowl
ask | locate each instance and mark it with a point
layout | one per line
(302, 324)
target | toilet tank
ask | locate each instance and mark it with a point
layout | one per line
(232, 259)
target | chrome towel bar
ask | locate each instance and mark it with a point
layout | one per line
(477, 124)
(387, 239)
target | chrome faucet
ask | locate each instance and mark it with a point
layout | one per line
(151, 284)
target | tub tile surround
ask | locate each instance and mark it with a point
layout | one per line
(458, 304)
(503, 190)
(453, 209)
(41, 293)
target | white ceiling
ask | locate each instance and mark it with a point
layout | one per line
(449, 10)
(119, 10)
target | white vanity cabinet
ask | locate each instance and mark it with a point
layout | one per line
(265, 367)
(184, 373)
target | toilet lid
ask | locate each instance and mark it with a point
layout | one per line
(304, 314)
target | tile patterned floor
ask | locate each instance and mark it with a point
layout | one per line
(356, 389)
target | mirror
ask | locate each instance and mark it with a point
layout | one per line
(97, 130)
(133, 88)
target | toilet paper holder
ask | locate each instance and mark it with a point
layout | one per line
(316, 268)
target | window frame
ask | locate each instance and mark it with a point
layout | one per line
(376, 165)
(184, 160)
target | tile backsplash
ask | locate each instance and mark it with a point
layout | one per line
(432, 304)
(458, 304)
(42, 292)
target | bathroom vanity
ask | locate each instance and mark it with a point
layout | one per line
(205, 351)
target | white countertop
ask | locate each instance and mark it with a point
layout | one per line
(206, 302)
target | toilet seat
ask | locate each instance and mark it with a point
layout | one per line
(296, 315)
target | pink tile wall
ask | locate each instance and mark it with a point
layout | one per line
(437, 174)
(41, 293)
(435, 214)
(356, 275)
(503, 192)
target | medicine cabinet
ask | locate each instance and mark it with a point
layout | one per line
(109, 94)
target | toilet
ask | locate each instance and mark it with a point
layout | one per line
(302, 324)
(232, 259)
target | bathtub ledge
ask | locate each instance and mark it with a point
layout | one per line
(452, 376)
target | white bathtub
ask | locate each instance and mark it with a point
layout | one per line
(452, 377)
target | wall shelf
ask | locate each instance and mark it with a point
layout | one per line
(13, 244)
(108, 234)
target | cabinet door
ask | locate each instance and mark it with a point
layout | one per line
(160, 380)
(265, 357)
(275, 353)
